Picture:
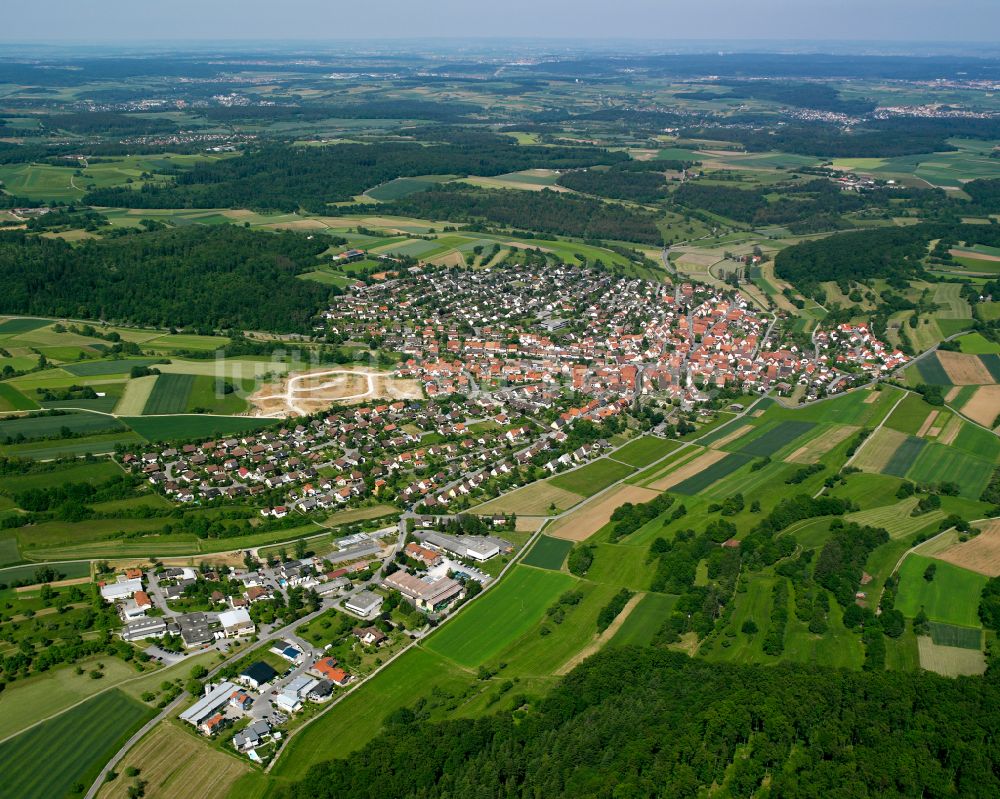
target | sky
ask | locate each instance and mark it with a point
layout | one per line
(123, 21)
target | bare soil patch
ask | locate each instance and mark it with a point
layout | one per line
(316, 390)
(587, 520)
(951, 430)
(872, 396)
(980, 554)
(984, 405)
(927, 424)
(689, 469)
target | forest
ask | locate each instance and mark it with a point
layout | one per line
(631, 723)
(543, 211)
(207, 278)
(286, 178)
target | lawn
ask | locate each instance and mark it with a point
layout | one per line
(169, 395)
(505, 613)
(644, 451)
(548, 553)
(645, 620)
(81, 741)
(596, 476)
(951, 597)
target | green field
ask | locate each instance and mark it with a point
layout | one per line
(645, 620)
(548, 553)
(14, 327)
(644, 451)
(13, 400)
(81, 741)
(772, 439)
(35, 427)
(596, 476)
(9, 552)
(904, 457)
(100, 368)
(500, 617)
(169, 395)
(951, 597)
(171, 428)
(718, 470)
(932, 372)
(70, 571)
(937, 462)
(401, 187)
(951, 635)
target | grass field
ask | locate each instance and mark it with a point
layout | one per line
(936, 462)
(173, 428)
(950, 661)
(501, 616)
(92, 473)
(39, 426)
(13, 400)
(28, 701)
(644, 451)
(904, 457)
(896, 518)
(80, 741)
(548, 553)
(170, 394)
(643, 622)
(9, 552)
(596, 476)
(176, 764)
(932, 372)
(15, 327)
(100, 368)
(951, 597)
(360, 715)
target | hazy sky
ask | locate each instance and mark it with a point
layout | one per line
(123, 20)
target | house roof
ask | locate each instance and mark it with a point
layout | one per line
(259, 672)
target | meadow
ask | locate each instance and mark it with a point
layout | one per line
(595, 476)
(951, 597)
(644, 451)
(548, 553)
(80, 740)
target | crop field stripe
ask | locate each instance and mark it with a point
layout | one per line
(716, 471)
(953, 635)
(992, 363)
(932, 372)
(773, 439)
(13, 400)
(170, 394)
(937, 462)
(643, 451)
(548, 553)
(642, 624)
(95, 368)
(80, 741)
(595, 476)
(13, 327)
(38, 426)
(904, 457)
(503, 615)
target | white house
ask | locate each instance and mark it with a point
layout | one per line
(122, 589)
(236, 622)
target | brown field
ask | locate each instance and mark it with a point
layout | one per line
(927, 424)
(951, 661)
(964, 370)
(528, 524)
(739, 431)
(984, 405)
(813, 450)
(584, 522)
(979, 256)
(878, 449)
(872, 396)
(980, 554)
(531, 500)
(952, 393)
(56, 584)
(602, 638)
(689, 469)
(950, 431)
(175, 765)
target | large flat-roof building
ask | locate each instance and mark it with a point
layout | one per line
(121, 589)
(236, 622)
(207, 706)
(364, 603)
(424, 593)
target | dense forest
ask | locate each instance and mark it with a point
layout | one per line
(640, 181)
(277, 177)
(542, 211)
(204, 277)
(886, 252)
(631, 723)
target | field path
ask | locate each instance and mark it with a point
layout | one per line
(292, 391)
(601, 638)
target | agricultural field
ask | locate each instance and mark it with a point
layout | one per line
(585, 521)
(169, 395)
(174, 763)
(541, 498)
(81, 740)
(548, 553)
(980, 554)
(712, 473)
(771, 439)
(483, 631)
(643, 451)
(952, 596)
(950, 661)
(645, 620)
